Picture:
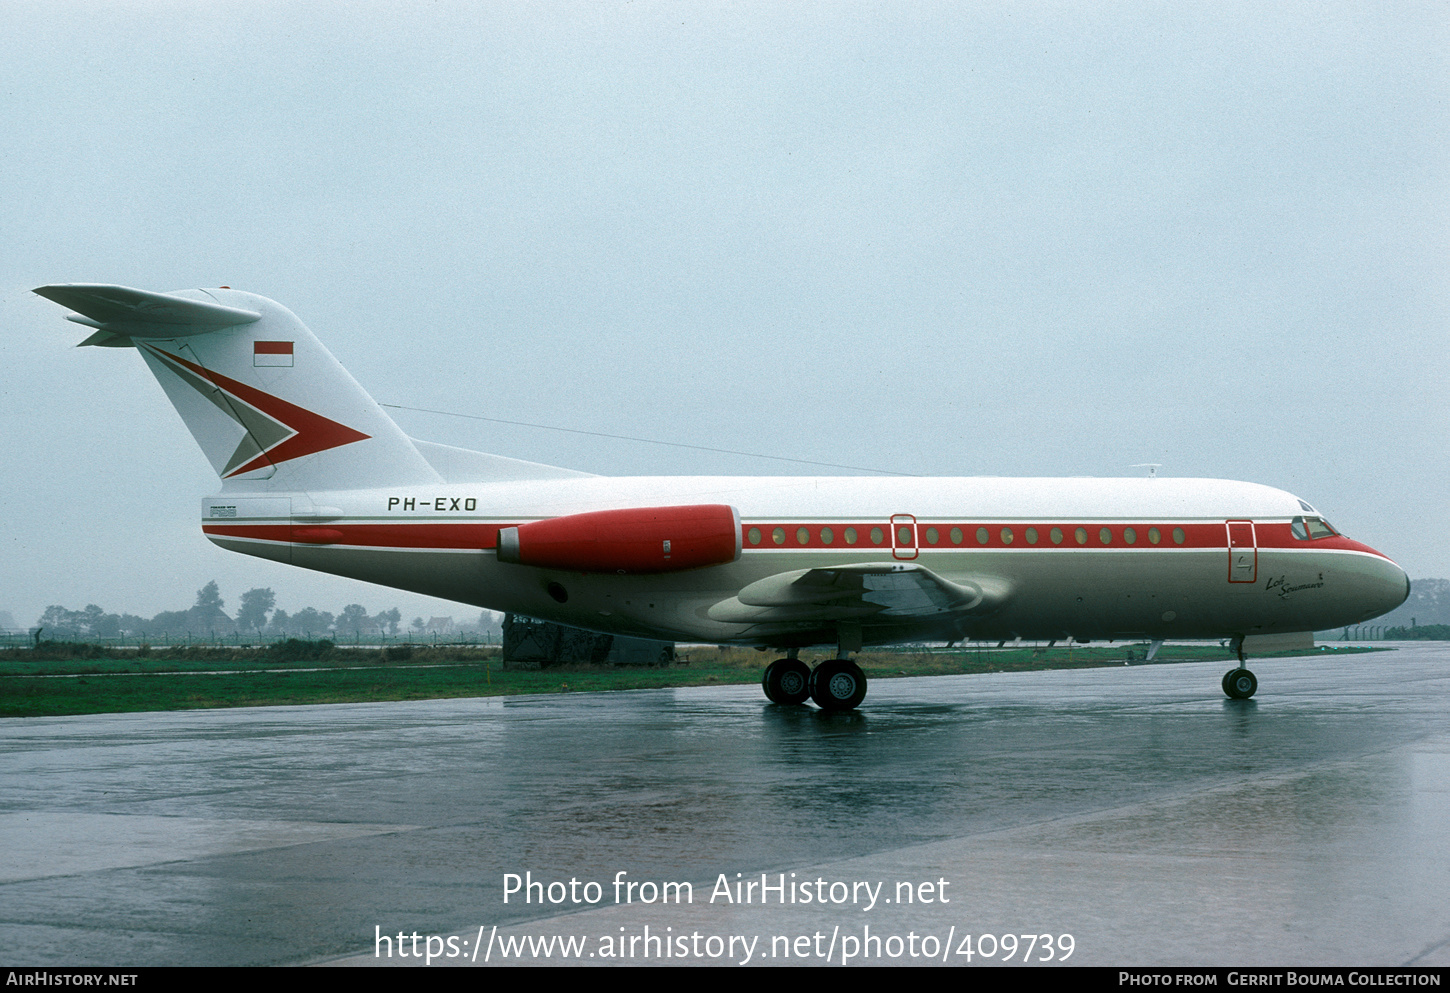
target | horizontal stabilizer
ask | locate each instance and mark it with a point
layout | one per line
(108, 340)
(125, 312)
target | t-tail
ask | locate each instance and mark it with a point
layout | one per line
(261, 395)
(268, 404)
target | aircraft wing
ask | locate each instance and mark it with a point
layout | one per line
(858, 592)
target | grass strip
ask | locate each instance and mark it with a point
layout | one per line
(35, 687)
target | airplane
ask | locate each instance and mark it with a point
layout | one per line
(315, 474)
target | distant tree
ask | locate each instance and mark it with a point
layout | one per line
(93, 622)
(281, 622)
(103, 625)
(312, 622)
(207, 614)
(418, 625)
(391, 618)
(133, 625)
(209, 598)
(170, 622)
(60, 623)
(255, 604)
(354, 620)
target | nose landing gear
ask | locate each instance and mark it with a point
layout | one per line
(1240, 684)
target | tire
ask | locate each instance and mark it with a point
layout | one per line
(787, 681)
(1240, 684)
(838, 684)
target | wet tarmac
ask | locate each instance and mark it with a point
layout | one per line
(1134, 809)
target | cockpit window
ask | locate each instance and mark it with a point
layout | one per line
(1307, 509)
(1311, 528)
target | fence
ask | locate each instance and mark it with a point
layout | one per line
(238, 640)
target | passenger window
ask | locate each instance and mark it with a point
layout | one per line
(1006, 536)
(956, 536)
(1178, 536)
(1105, 536)
(802, 536)
(1056, 535)
(1031, 536)
(1154, 536)
(932, 536)
(982, 536)
(827, 536)
(877, 535)
(754, 536)
(1129, 535)
(1081, 535)
(778, 536)
(850, 536)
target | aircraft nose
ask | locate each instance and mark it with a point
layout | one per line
(1391, 585)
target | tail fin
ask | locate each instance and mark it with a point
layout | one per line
(261, 395)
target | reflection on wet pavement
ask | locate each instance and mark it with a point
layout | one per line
(1134, 807)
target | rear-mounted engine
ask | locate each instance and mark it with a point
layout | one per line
(642, 539)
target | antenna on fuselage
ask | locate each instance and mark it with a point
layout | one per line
(1152, 468)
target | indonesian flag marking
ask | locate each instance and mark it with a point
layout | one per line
(272, 353)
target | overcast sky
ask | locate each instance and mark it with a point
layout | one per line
(944, 239)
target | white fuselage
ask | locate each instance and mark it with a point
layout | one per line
(1062, 558)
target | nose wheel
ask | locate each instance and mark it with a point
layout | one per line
(1240, 684)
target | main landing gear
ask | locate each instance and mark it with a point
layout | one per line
(787, 681)
(1240, 684)
(836, 684)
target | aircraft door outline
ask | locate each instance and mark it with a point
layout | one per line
(1243, 552)
(903, 536)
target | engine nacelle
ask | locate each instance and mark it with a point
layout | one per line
(640, 539)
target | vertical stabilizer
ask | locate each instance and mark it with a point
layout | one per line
(267, 403)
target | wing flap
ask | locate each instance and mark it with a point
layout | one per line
(732, 611)
(858, 591)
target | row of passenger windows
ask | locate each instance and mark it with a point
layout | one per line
(956, 536)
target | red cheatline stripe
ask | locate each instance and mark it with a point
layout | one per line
(271, 348)
(1196, 536)
(376, 535)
